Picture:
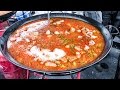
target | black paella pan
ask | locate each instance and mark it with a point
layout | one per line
(105, 32)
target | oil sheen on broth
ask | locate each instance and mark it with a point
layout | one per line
(64, 44)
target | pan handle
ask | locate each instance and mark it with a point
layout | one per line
(1, 43)
(110, 28)
(71, 74)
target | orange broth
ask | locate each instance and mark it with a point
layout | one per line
(81, 42)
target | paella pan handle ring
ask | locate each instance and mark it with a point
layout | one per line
(109, 27)
(2, 44)
(43, 77)
(49, 12)
(73, 12)
(71, 74)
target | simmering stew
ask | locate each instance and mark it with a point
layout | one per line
(61, 44)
